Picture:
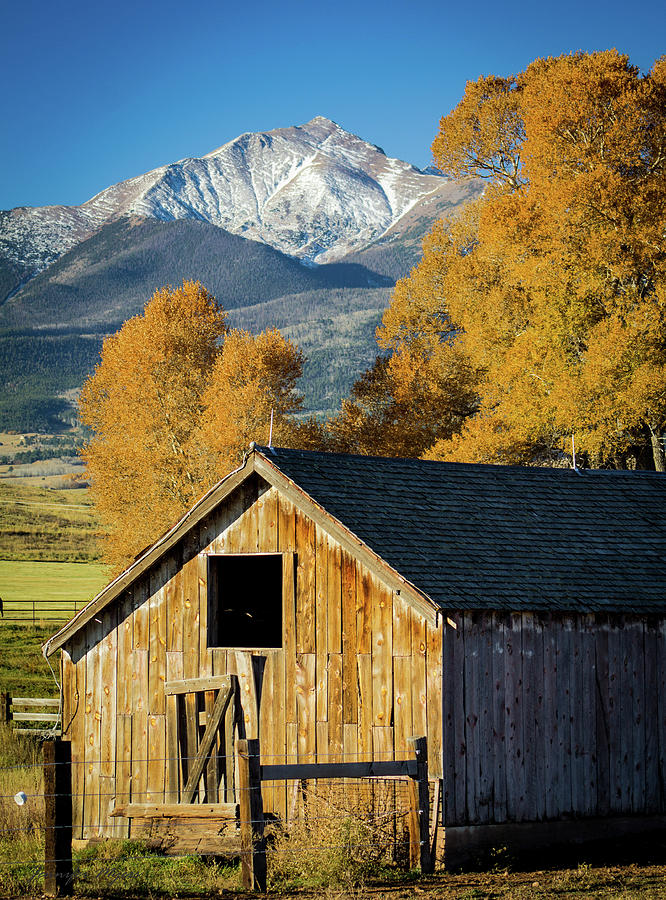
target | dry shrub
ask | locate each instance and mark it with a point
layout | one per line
(342, 835)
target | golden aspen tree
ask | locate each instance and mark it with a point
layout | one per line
(554, 283)
(254, 379)
(172, 407)
(143, 404)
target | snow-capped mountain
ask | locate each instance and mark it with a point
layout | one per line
(314, 192)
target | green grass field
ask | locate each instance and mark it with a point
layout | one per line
(48, 556)
(49, 585)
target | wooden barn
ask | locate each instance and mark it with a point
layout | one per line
(514, 616)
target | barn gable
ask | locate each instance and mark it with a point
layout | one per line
(350, 674)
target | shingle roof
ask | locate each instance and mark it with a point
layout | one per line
(500, 537)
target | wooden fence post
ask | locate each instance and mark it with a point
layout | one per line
(253, 845)
(419, 809)
(5, 708)
(58, 875)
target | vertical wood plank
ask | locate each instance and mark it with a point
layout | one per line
(364, 606)
(349, 686)
(434, 698)
(289, 631)
(661, 708)
(614, 714)
(530, 747)
(365, 717)
(205, 602)
(108, 649)
(306, 703)
(420, 658)
(305, 584)
(140, 692)
(249, 699)
(402, 626)
(155, 778)
(125, 644)
(321, 622)
(485, 723)
(123, 771)
(77, 731)
(382, 742)
(449, 679)
(212, 766)
(382, 658)
(91, 814)
(350, 742)
(191, 621)
(551, 718)
(175, 602)
(575, 703)
(334, 585)
(637, 691)
(515, 772)
(602, 729)
(499, 717)
(564, 714)
(335, 718)
(157, 640)
(472, 740)
(402, 710)
(268, 522)
(588, 687)
(459, 716)
(538, 792)
(625, 780)
(279, 736)
(651, 718)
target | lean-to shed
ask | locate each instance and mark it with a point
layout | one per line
(515, 616)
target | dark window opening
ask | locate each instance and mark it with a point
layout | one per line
(245, 596)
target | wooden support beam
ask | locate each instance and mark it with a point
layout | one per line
(58, 874)
(419, 819)
(199, 762)
(195, 685)
(253, 844)
(371, 769)
(176, 811)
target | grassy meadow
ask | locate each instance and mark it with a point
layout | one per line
(43, 524)
(49, 557)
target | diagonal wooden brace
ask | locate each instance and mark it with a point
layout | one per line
(221, 703)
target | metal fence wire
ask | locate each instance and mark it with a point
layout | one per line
(361, 821)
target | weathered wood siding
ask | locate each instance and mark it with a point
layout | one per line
(553, 716)
(358, 673)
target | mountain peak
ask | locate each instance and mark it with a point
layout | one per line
(315, 192)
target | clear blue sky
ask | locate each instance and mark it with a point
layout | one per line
(97, 92)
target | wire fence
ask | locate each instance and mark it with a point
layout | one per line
(354, 821)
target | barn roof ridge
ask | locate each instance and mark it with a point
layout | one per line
(464, 535)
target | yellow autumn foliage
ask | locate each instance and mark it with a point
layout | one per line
(172, 406)
(553, 284)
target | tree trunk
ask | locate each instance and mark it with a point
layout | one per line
(658, 451)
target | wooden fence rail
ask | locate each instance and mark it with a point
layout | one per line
(24, 713)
